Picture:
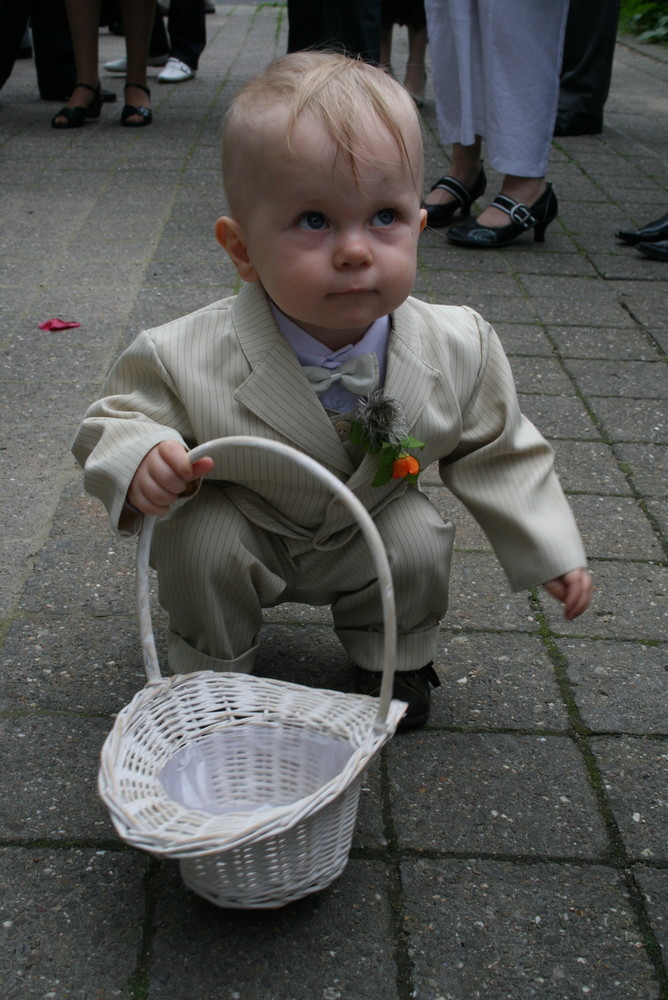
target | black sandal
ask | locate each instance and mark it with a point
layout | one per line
(77, 116)
(130, 110)
(441, 215)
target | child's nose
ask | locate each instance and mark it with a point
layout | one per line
(352, 249)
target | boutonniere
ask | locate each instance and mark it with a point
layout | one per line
(379, 426)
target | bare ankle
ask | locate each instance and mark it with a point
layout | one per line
(526, 190)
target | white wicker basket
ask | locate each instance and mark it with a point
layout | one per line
(252, 783)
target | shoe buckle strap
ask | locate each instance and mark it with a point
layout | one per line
(519, 213)
(455, 188)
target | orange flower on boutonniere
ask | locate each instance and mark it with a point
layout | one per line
(380, 427)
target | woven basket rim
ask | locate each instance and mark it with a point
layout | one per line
(230, 830)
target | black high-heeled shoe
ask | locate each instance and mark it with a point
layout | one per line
(131, 110)
(523, 217)
(77, 116)
(441, 215)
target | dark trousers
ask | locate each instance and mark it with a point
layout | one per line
(186, 24)
(351, 26)
(589, 48)
(52, 47)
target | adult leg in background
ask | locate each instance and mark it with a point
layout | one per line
(586, 71)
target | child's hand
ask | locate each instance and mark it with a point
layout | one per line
(163, 476)
(573, 590)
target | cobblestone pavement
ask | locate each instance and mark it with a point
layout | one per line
(518, 846)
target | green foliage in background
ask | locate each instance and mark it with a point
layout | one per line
(646, 18)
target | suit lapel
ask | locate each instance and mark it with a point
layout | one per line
(277, 391)
(408, 379)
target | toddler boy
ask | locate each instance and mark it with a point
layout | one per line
(323, 349)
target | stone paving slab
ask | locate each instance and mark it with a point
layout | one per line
(34, 357)
(50, 765)
(559, 416)
(634, 771)
(483, 793)
(480, 593)
(597, 343)
(647, 466)
(638, 420)
(541, 375)
(550, 932)
(615, 527)
(618, 686)
(654, 886)
(589, 467)
(657, 511)
(620, 378)
(333, 945)
(502, 681)
(516, 847)
(82, 566)
(71, 664)
(72, 922)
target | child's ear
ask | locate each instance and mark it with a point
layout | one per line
(231, 237)
(423, 218)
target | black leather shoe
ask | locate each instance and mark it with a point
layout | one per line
(441, 215)
(657, 250)
(412, 686)
(522, 218)
(574, 123)
(650, 233)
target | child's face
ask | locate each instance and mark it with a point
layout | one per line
(334, 251)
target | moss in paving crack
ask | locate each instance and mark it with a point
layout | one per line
(650, 943)
(139, 985)
(581, 735)
(139, 981)
(281, 16)
(44, 843)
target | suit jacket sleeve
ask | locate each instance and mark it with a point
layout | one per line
(139, 409)
(502, 469)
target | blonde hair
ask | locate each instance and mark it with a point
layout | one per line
(340, 91)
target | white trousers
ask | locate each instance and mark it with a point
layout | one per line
(495, 67)
(217, 570)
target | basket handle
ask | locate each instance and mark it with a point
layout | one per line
(356, 508)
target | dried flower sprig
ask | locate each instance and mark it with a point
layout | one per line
(380, 427)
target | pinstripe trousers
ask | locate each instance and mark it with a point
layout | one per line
(217, 571)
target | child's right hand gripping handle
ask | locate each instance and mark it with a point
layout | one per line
(166, 473)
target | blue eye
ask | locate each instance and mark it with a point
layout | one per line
(385, 217)
(312, 220)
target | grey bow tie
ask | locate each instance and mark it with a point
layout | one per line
(358, 375)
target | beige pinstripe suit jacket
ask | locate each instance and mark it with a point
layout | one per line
(226, 370)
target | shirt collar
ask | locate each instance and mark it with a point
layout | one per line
(310, 351)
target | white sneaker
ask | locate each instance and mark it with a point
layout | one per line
(121, 65)
(175, 72)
